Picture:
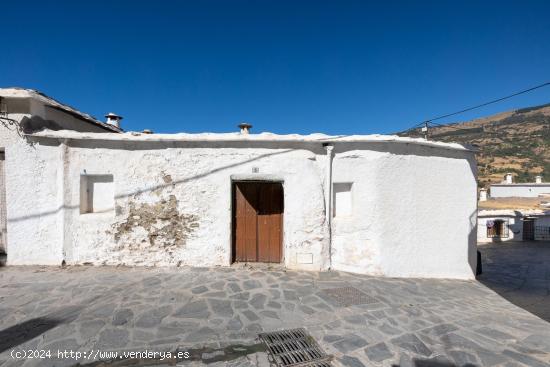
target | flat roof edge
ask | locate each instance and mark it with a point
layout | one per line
(256, 138)
(521, 184)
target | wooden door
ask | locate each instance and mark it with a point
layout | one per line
(257, 222)
(528, 230)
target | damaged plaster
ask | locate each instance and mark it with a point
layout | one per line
(165, 227)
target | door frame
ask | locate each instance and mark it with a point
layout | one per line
(232, 240)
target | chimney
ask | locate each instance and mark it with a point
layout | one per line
(508, 178)
(483, 194)
(113, 119)
(245, 127)
(538, 179)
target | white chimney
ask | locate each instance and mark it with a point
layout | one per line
(508, 178)
(245, 127)
(483, 195)
(538, 179)
(113, 119)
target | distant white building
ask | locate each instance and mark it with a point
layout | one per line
(513, 225)
(372, 204)
(526, 190)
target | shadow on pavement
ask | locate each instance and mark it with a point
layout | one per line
(520, 273)
(29, 329)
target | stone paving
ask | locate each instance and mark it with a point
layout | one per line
(412, 322)
(519, 272)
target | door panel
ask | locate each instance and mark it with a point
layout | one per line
(276, 223)
(263, 223)
(251, 223)
(258, 209)
(239, 229)
(529, 230)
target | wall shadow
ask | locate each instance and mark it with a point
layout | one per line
(27, 330)
(152, 187)
(24, 331)
(288, 146)
(516, 271)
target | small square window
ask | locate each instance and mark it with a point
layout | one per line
(97, 194)
(342, 203)
(497, 228)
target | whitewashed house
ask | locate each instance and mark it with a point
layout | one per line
(24, 111)
(380, 205)
(504, 225)
(508, 188)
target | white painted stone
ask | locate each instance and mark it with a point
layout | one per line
(525, 190)
(395, 229)
(482, 195)
(304, 258)
(508, 178)
(412, 207)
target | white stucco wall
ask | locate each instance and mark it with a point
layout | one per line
(409, 218)
(173, 204)
(512, 218)
(33, 175)
(198, 181)
(519, 190)
(34, 211)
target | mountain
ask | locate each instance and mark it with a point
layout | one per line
(514, 141)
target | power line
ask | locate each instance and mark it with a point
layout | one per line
(474, 107)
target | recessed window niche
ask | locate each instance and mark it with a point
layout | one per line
(342, 204)
(97, 194)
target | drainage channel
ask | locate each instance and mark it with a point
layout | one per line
(295, 348)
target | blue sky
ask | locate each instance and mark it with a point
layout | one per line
(339, 67)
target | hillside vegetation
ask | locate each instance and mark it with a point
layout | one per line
(515, 141)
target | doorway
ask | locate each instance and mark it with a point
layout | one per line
(258, 209)
(528, 229)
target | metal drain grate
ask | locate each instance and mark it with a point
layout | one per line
(349, 296)
(295, 348)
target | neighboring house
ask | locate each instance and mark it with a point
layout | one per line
(513, 225)
(27, 111)
(518, 212)
(380, 205)
(527, 190)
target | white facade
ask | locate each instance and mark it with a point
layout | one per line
(25, 110)
(523, 190)
(400, 207)
(513, 225)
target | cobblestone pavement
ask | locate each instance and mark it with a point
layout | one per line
(519, 272)
(410, 322)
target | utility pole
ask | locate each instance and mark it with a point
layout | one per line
(425, 130)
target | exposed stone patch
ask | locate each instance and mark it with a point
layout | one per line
(167, 179)
(163, 225)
